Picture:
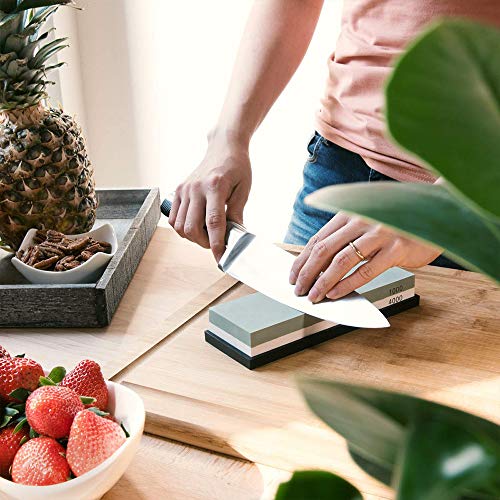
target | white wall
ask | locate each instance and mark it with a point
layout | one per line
(151, 80)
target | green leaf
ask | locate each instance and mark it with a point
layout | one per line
(5, 421)
(24, 440)
(86, 400)
(20, 394)
(127, 433)
(33, 4)
(33, 434)
(317, 485)
(98, 412)
(429, 212)
(347, 409)
(20, 355)
(47, 51)
(18, 407)
(57, 374)
(11, 412)
(375, 434)
(46, 381)
(442, 461)
(8, 5)
(443, 104)
(382, 474)
(20, 425)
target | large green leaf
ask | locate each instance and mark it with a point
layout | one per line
(317, 485)
(371, 430)
(32, 4)
(443, 461)
(378, 425)
(443, 104)
(429, 212)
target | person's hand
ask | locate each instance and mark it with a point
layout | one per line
(216, 190)
(328, 257)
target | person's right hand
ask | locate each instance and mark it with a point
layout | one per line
(216, 190)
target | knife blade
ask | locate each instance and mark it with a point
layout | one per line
(266, 268)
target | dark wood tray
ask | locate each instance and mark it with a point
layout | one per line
(134, 214)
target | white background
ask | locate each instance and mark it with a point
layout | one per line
(146, 79)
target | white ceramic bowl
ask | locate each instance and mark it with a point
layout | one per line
(88, 272)
(127, 407)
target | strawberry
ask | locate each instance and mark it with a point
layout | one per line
(18, 373)
(86, 380)
(50, 410)
(4, 353)
(9, 446)
(92, 440)
(41, 462)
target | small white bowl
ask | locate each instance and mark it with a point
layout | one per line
(88, 272)
(127, 407)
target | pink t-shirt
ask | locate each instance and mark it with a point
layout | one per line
(373, 33)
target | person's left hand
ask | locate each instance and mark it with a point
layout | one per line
(328, 257)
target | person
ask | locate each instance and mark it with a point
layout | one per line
(350, 145)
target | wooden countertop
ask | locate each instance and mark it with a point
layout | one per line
(447, 350)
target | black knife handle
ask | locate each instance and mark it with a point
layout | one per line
(165, 207)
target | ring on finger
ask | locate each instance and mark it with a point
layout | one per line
(358, 253)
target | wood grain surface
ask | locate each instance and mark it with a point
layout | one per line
(163, 295)
(446, 350)
(168, 470)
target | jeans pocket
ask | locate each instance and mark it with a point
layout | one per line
(313, 147)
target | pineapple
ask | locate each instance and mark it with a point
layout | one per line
(46, 178)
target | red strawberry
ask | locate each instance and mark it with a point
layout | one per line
(92, 440)
(16, 373)
(9, 446)
(86, 380)
(50, 410)
(4, 353)
(40, 462)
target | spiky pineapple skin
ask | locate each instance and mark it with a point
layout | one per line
(46, 178)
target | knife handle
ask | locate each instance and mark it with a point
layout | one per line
(165, 207)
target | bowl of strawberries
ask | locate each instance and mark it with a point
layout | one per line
(64, 435)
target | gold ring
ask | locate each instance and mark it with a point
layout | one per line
(358, 253)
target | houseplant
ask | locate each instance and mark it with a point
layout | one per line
(46, 179)
(443, 104)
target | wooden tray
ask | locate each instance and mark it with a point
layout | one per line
(134, 214)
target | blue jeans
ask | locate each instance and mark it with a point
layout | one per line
(329, 164)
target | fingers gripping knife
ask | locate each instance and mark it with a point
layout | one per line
(266, 267)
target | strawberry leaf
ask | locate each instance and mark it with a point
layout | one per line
(5, 421)
(127, 433)
(20, 394)
(20, 425)
(86, 400)
(19, 407)
(33, 434)
(20, 355)
(46, 381)
(98, 412)
(57, 374)
(11, 412)
(24, 440)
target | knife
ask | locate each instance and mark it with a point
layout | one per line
(266, 268)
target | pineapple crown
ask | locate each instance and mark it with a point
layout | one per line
(24, 52)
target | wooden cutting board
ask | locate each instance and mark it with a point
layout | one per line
(447, 350)
(173, 282)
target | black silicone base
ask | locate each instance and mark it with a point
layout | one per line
(252, 362)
